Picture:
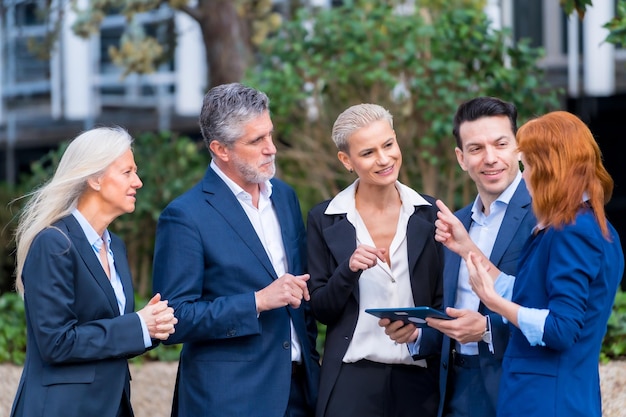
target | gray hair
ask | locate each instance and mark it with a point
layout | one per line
(355, 118)
(226, 109)
(87, 156)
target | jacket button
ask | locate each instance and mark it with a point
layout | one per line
(231, 333)
(286, 345)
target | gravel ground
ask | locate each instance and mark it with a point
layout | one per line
(153, 384)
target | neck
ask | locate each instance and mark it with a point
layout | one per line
(379, 197)
(93, 215)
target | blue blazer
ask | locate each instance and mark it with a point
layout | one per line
(77, 342)
(515, 229)
(335, 291)
(208, 263)
(574, 272)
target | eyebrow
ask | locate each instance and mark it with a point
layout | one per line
(248, 142)
(384, 143)
(491, 141)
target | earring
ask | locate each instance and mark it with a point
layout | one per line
(350, 170)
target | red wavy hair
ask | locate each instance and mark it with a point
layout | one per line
(565, 162)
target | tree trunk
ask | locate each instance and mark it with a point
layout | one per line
(227, 50)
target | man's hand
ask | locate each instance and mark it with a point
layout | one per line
(451, 232)
(398, 331)
(468, 325)
(286, 290)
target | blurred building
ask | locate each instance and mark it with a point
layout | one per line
(43, 102)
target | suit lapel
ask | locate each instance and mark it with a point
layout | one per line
(340, 237)
(418, 233)
(123, 270)
(86, 252)
(283, 212)
(223, 201)
(513, 217)
(453, 263)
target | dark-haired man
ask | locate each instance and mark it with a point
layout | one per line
(498, 221)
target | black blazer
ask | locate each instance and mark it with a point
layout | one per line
(331, 240)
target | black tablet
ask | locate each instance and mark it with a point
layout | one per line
(414, 315)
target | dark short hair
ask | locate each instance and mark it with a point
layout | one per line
(479, 107)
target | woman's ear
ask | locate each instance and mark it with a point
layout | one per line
(344, 158)
(94, 183)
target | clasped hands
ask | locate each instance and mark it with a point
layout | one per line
(159, 318)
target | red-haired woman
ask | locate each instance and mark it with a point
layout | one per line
(567, 278)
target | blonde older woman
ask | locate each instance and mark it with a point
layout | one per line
(77, 287)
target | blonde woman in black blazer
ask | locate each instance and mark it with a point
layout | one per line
(373, 246)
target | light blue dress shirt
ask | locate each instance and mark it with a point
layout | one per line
(96, 243)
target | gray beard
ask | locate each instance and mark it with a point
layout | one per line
(252, 174)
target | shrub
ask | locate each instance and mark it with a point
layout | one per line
(12, 329)
(419, 63)
(614, 343)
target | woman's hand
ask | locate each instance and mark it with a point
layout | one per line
(365, 257)
(398, 331)
(480, 280)
(159, 318)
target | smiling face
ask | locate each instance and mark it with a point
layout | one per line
(373, 154)
(118, 186)
(489, 155)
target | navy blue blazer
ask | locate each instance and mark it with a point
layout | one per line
(77, 342)
(516, 227)
(335, 291)
(574, 272)
(208, 263)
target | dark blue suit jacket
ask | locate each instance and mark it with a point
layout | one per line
(516, 228)
(208, 263)
(78, 344)
(335, 291)
(574, 272)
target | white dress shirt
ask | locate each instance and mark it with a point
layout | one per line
(267, 228)
(380, 286)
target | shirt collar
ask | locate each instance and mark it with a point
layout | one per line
(264, 187)
(344, 201)
(505, 197)
(92, 236)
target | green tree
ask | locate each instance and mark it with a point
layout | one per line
(230, 29)
(420, 64)
(617, 25)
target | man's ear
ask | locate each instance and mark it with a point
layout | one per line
(460, 158)
(219, 150)
(344, 158)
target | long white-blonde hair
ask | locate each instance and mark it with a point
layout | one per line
(87, 156)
